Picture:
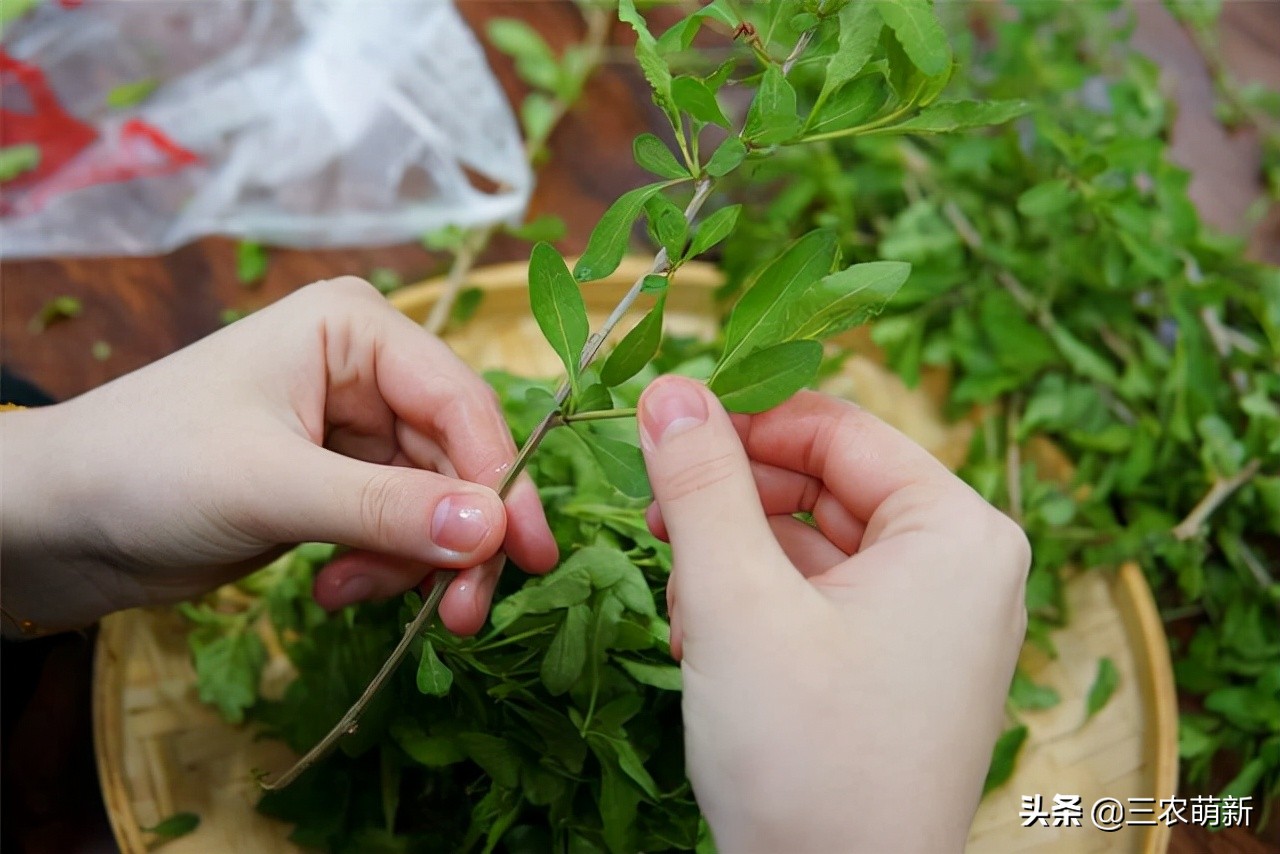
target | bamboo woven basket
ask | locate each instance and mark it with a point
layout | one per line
(161, 751)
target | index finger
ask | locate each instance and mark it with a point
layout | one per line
(859, 459)
(427, 385)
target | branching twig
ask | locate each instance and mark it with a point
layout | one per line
(351, 719)
(1217, 494)
(473, 243)
(702, 191)
(599, 415)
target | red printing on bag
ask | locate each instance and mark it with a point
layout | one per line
(59, 135)
(140, 150)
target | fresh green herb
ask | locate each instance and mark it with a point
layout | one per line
(101, 351)
(1102, 317)
(1104, 685)
(131, 94)
(385, 280)
(13, 10)
(251, 262)
(56, 309)
(1005, 757)
(178, 824)
(1064, 281)
(17, 160)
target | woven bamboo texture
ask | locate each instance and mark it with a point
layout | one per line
(161, 751)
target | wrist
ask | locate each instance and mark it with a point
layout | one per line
(43, 528)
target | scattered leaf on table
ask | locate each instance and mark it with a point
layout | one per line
(1104, 685)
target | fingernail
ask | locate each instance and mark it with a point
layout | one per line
(458, 524)
(355, 589)
(670, 407)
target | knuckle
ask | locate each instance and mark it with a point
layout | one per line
(697, 476)
(1008, 540)
(347, 286)
(379, 502)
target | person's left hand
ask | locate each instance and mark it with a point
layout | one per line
(327, 416)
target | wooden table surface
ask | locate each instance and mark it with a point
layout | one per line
(145, 308)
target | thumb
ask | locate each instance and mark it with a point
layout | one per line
(725, 552)
(315, 494)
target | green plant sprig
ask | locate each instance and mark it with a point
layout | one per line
(772, 347)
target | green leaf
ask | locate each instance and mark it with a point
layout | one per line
(652, 65)
(434, 676)
(433, 751)
(494, 755)
(544, 227)
(622, 462)
(558, 307)
(1004, 757)
(12, 10)
(681, 35)
(228, 667)
(58, 308)
(665, 677)
(653, 155)
(178, 824)
(385, 279)
(251, 262)
(767, 377)
(636, 348)
(698, 100)
(131, 94)
(1083, 359)
(632, 590)
(667, 226)
(1046, 199)
(563, 663)
(592, 399)
(851, 105)
(917, 28)
(537, 115)
(1104, 685)
(727, 157)
(654, 284)
(466, 305)
(16, 160)
(947, 116)
(713, 229)
(633, 766)
(563, 588)
(772, 118)
(860, 26)
(758, 318)
(844, 299)
(609, 239)
(1027, 695)
(535, 63)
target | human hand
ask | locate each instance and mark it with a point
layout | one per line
(844, 683)
(327, 416)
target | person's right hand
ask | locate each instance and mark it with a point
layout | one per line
(844, 683)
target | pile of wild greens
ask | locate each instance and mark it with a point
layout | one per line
(1059, 273)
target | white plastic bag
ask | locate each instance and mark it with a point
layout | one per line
(295, 122)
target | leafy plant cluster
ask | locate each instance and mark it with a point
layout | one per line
(1060, 274)
(558, 728)
(1063, 279)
